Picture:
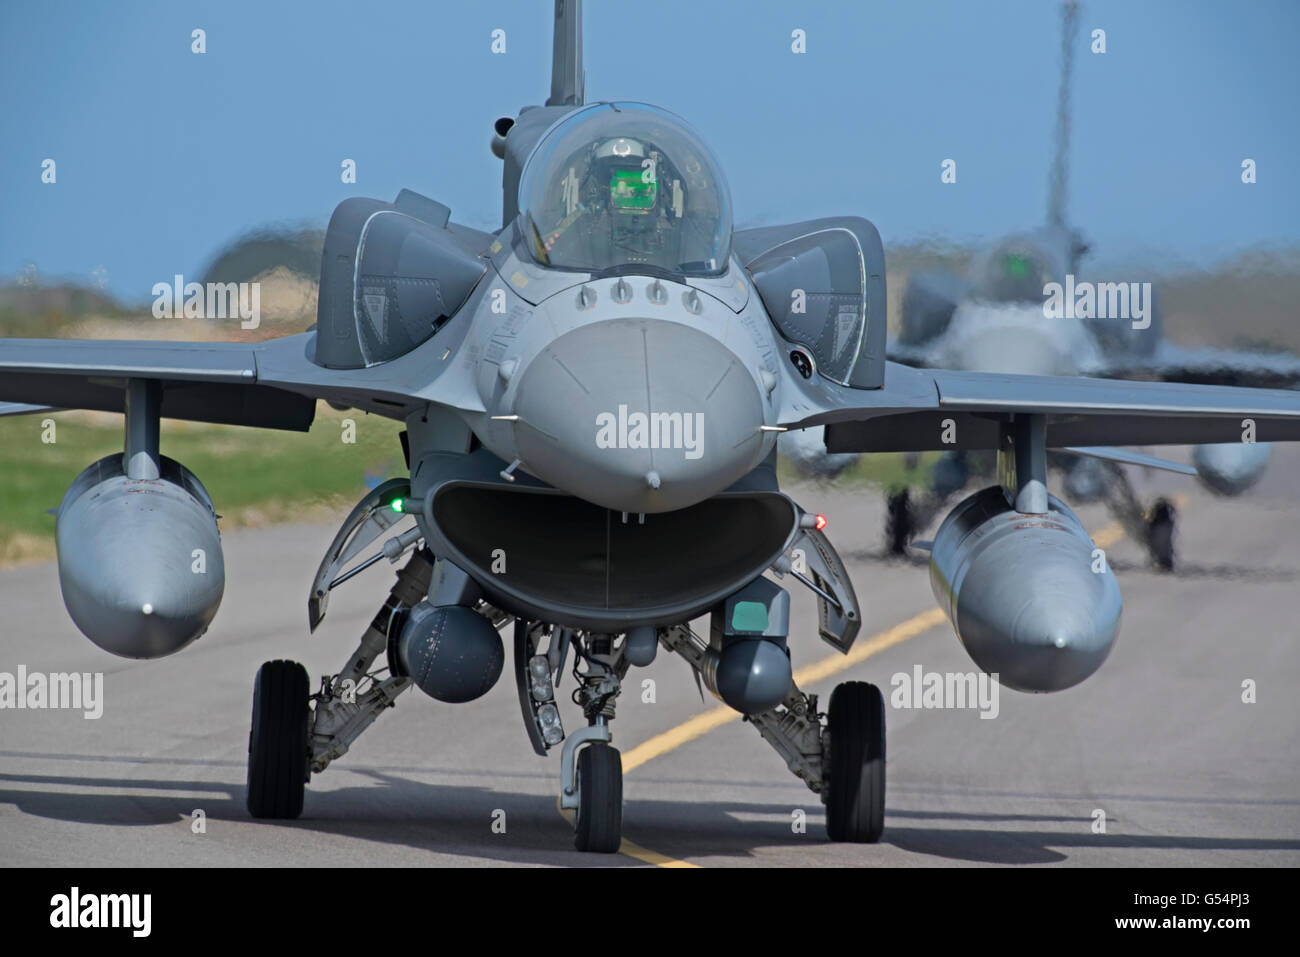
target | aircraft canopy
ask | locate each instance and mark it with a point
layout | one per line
(622, 186)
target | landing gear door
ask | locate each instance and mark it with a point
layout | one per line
(838, 619)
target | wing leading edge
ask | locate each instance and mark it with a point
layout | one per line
(272, 384)
(935, 409)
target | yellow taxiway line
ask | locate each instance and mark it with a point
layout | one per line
(702, 724)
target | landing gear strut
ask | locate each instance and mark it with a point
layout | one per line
(595, 789)
(840, 755)
(1160, 534)
(899, 524)
(291, 738)
(1154, 529)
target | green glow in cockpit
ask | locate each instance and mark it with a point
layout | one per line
(628, 190)
(1017, 267)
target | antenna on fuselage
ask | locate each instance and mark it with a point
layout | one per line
(1060, 175)
(568, 81)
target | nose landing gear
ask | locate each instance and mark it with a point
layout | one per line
(599, 823)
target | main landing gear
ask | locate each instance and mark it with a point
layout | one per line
(1154, 528)
(840, 755)
(277, 744)
(294, 735)
(854, 753)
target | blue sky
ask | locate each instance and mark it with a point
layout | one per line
(164, 156)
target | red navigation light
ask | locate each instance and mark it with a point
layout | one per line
(820, 523)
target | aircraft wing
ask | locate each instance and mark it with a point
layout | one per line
(919, 409)
(272, 384)
(22, 408)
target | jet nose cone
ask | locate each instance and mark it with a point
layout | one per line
(639, 415)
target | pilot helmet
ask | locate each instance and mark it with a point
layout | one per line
(626, 170)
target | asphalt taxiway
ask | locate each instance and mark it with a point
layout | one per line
(1186, 773)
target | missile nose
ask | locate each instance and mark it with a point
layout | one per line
(140, 566)
(1231, 468)
(1036, 604)
(1058, 641)
(142, 605)
(639, 415)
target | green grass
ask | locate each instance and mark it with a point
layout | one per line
(882, 470)
(253, 475)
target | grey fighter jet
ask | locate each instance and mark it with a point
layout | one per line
(592, 396)
(996, 320)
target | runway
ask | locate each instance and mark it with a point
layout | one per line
(1160, 740)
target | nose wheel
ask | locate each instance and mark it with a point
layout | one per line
(599, 822)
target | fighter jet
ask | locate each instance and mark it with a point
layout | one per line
(997, 319)
(592, 396)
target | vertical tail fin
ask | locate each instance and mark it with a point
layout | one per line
(1061, 159)
(568, 81)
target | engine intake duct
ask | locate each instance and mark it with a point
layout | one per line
(391, 275)
(550, 556)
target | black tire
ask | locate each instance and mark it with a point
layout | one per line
(1160, 535)
(277, 744)
(600, 799)
(898, 523)
(855, 767)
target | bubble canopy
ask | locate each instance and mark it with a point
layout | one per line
(625, 187)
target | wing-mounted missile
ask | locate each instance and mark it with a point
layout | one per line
(391, 275)
(1027, 595)
(1230, 468)
(823, 284)
(140, 562)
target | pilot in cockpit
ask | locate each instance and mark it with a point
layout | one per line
(648, 199)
